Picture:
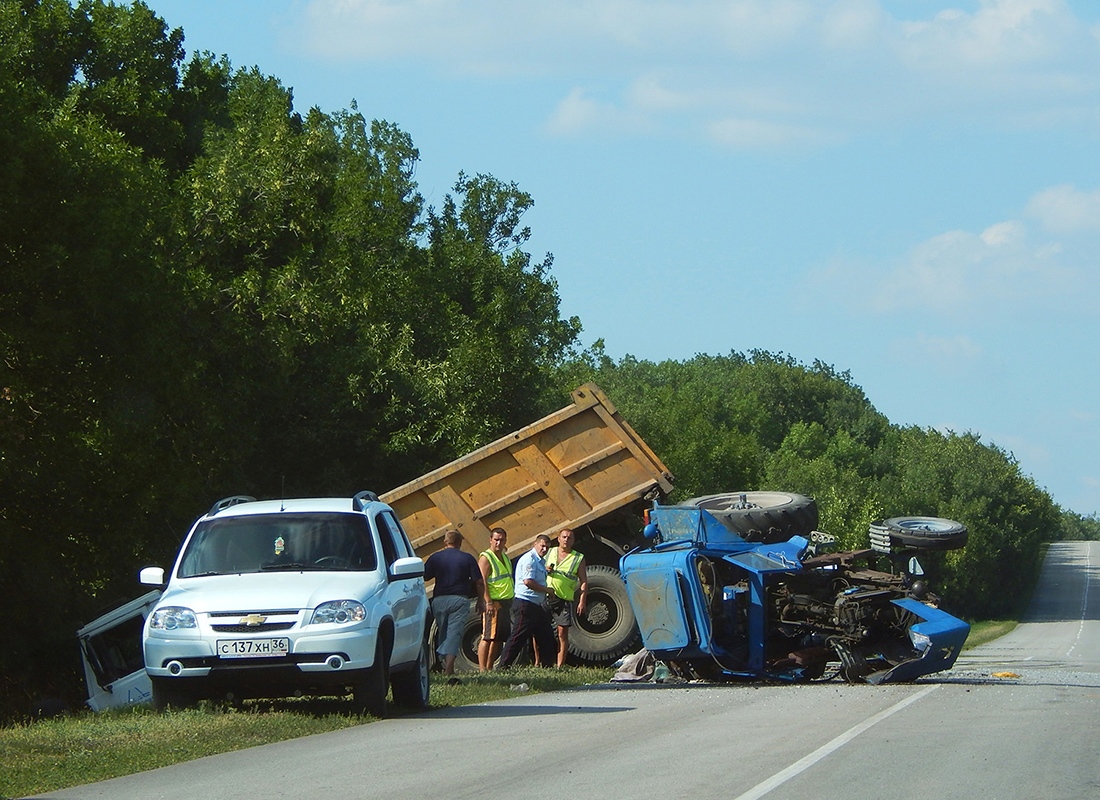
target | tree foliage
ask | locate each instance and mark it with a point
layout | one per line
(205, 292)
(765, 421)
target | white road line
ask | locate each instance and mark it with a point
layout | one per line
(803, 764)
(1084, 600)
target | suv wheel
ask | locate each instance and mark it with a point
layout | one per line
(369, 692)
(411, 688)
(171, 692)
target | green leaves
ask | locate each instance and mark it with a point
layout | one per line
(765, 421)
(205, 292)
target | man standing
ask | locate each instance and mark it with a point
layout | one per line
(567, 575)
(500, 588)
(457, 580)
(530, 616)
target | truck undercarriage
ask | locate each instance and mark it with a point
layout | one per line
(714, 606)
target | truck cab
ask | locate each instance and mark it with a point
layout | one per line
(715, 606)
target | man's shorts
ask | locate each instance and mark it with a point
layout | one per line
(561, 612)
(497, 627)
(450, 613)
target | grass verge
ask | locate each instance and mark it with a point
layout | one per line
(53, 754)
(987, 631)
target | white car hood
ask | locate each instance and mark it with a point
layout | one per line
(270, 591)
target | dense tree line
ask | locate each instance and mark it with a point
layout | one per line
(205, 292)
(762, 420)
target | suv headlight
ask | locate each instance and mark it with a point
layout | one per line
(171, 618)
(339, 611)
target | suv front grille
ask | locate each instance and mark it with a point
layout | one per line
(266, 627)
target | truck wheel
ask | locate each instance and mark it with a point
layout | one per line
(608, 629)
(411, 688)
(466, 660)
(766, 517)
(369, 692)
(927, 533)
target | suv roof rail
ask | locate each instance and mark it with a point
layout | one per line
(360, 500)
(226, 502)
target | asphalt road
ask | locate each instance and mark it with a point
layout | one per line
(1015, 720)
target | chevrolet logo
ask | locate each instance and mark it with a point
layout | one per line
(253, 620)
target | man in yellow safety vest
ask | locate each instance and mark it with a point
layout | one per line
(567, 576)
(500, 588)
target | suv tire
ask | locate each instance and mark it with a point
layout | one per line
(170, 692)
(412, 687)
(369, 692)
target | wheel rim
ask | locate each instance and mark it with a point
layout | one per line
(601, 616)
(929, 524)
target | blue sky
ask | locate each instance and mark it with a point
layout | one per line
(908, 191)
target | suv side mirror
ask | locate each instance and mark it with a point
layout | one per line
(411, 567)
(152, 576)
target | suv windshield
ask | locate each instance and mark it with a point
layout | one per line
(315, 541)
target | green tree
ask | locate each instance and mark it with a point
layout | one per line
(1008, 516)
(838, 471)
(205, 292)
(86, 324)
(1076, 527)
(715, 419)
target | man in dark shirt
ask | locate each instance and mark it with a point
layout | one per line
(457, 580)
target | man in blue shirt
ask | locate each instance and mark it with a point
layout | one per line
(457, 581)
(530, 615)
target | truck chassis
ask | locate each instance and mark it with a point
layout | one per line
(715, 606)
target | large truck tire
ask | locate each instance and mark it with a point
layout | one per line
(764, 517)
(471, 640)
(466, 660)
(926, 533)
(607, 630)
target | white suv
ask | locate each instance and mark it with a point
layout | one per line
(285, 597)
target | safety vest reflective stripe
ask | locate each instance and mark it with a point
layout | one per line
(564, 579)
(501, 584)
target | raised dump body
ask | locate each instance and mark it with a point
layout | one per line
(582, 467)
(572, 468)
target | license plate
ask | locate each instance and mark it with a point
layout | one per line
(253, 648)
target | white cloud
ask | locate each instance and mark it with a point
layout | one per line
(578, 112)
(852, 25)
(955, 353)
(998, 268)
(1026, 62)
(1000, 32)
(1065, 209)
(763, 134)
(1002, 270)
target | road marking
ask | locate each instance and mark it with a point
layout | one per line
(804, 764)
(1084, 600)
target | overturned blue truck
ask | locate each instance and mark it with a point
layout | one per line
(742, 585)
